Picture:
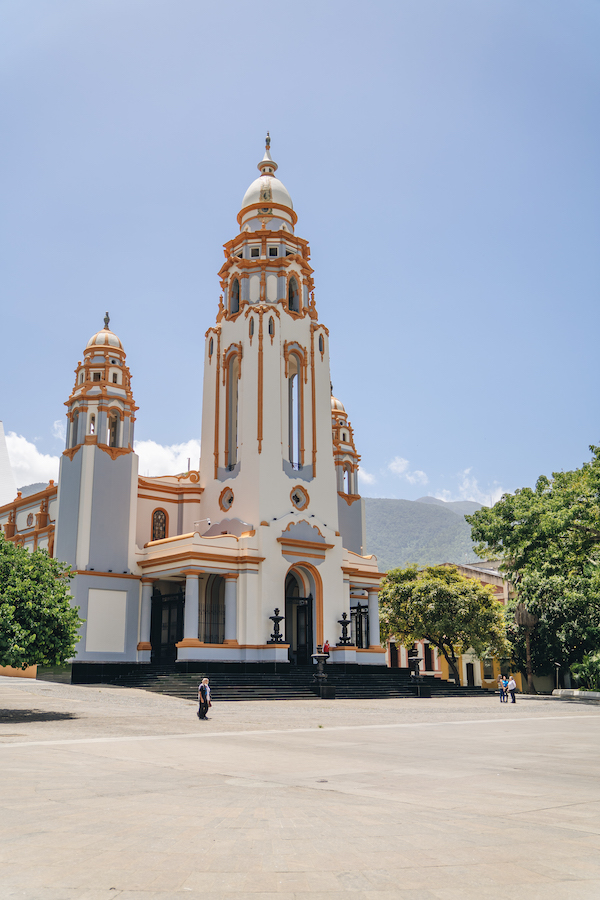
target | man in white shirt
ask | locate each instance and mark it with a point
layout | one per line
(511, 687)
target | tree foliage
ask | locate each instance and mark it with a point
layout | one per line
(587, 672)
(438, 604)
(37, 623)
(549, 542)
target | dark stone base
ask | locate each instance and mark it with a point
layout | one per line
(327, 692)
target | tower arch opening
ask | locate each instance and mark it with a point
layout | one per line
(295, 411)
(234, 302)
(231, 421)
(293, 295)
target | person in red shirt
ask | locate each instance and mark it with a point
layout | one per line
(326, 648)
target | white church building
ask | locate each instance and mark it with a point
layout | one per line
(193, 566)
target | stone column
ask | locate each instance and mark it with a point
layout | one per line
(230, 608)
(374, 640)
(144, 643)
(190, 614)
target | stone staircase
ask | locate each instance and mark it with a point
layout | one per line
(294, 684)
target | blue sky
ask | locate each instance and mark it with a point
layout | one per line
(442, 156)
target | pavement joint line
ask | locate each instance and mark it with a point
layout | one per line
(223, 734)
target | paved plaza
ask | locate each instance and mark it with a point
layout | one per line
(113, 793)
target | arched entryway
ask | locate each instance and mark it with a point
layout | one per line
(303, 613)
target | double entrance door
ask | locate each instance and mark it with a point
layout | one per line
(299, 629)
(166, 627)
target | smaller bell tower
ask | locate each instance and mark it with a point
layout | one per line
(97, 492)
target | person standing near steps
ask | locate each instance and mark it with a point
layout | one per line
(203, 698)
(512, 689)
(501, 690)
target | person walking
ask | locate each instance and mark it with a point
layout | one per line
(512, 689)
(501, 689)
(203, 698)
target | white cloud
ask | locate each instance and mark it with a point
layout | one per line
(468, 489)
(417, 477)
(366, 477)
(28, 464)
(400, 466)
(59, 429)
(160, 459)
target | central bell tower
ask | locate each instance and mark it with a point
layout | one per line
(266, 423)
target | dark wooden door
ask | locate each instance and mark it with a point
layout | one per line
(166, 627)
(298, 611)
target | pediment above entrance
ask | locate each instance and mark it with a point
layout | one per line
(300, 540)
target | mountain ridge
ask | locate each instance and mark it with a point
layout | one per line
(427, 531)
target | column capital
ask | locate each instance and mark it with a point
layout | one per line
(231, 575)
(188, 572)
(146, 580)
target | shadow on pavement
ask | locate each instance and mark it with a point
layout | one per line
(33, 715)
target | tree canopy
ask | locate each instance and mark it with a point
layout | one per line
(37, 623)
(548, 540)
(438, 604)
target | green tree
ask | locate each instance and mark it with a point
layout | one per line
(452, 612)
(587, 672)
(37, 622)
(549, 542)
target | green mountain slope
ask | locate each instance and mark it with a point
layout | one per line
(400, 532)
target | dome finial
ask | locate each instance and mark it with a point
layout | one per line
(106, 321)
(267, 166)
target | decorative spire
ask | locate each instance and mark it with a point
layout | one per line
(106, 321)
(266, 166)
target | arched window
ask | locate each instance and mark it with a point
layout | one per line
(295, 410)
(271, 326)
(321, 343)
(211, 346)
(159, 525)
(347, 481)
(231, 437)
(251, 326)
(92, 424)
(293, 295)
(113, 430)
(234, 303)
(74, 427)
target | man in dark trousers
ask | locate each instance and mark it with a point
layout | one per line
(203, 698)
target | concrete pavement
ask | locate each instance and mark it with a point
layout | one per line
(108, 792)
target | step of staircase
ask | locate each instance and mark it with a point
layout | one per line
(295, 684)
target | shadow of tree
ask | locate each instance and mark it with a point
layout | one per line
(33, 715)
